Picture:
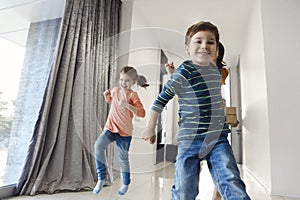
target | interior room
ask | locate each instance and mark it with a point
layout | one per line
(59, 56)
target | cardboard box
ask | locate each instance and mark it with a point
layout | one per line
(231, 116)
(230, 110)
(231, 119)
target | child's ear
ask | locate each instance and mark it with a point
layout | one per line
(217, 52)
(187, 49)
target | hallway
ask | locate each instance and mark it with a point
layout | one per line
(156, 186)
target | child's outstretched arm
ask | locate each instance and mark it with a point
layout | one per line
(149, 132)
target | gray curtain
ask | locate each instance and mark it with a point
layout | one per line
(60, 155)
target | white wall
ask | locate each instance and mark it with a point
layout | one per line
(256, 136)
(281, 29)
(125, 33)
(270, 84)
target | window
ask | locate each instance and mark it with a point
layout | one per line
(9, 81)
(28, 35)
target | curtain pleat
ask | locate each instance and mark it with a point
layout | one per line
(60, 155)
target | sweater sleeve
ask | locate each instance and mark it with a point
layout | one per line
(171, 87)
(136, 102)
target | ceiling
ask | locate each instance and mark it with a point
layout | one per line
(231, 17)
(16, 16)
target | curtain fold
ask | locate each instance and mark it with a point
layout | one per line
(60, 155)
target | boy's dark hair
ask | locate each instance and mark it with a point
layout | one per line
(131, 71)
(201, 26)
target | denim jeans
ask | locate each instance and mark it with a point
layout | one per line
(123, 144)
(216, 149)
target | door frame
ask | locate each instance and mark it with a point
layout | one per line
(236, 101)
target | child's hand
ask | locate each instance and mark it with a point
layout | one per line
(106, 93)
(170, 68)
(124, 104)
(149, 135)
(107, 96)
(151, 139)
(131, 108)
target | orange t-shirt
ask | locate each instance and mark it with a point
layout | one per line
(119, 119)
(225, 73)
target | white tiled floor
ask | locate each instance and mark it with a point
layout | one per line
(156, 186)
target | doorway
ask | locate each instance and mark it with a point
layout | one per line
(165, 149)
(235, 101)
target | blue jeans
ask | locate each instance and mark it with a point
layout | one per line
(123, 144)
(216, 149)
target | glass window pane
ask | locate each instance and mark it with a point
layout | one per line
(28, 35)
(10, 72)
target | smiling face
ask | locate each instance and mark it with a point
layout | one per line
(202, 48)
(126, 82)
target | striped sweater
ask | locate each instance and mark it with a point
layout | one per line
(199, 97)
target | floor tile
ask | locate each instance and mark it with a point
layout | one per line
(156, 185)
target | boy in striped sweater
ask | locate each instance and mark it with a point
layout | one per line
(203, 129)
